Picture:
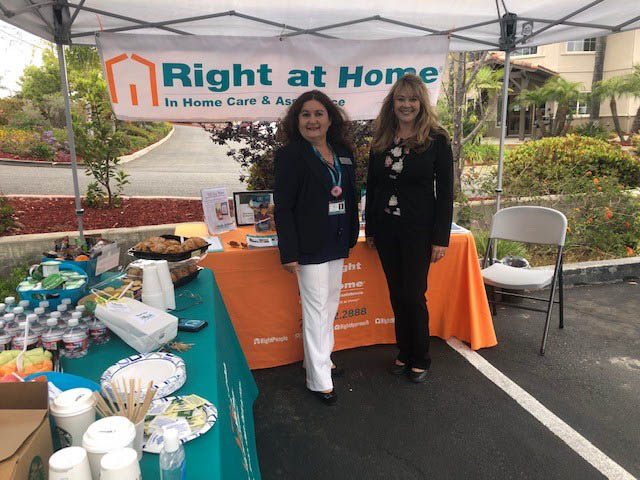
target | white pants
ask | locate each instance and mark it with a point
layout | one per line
(320, 287)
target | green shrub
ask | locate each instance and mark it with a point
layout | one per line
(6, 216)
(9, 283)
(9, 107)
(17, 142)
(481, 153)
(29, 118)
(591, 129)
(547, 166)
(504, 248)
(42, 150)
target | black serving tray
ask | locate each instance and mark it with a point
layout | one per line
(169, 257)
(188, 278)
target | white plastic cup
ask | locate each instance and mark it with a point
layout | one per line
(49, 267)
(70, 463)
(139, 440)
(152, 293)
(73, 411)
(120, 464)
(166, 284)
(105, 435)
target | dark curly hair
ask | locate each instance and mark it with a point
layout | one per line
(337, 134)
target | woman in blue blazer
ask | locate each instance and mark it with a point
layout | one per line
(316, 218)
(408, 212)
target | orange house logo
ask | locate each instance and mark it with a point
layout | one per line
(153, 84)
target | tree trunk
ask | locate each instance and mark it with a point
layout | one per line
(598, 68)
(539, 133)
(636, 122)
(616, 121)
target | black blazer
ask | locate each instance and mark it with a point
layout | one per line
(301, 196)
(420, 204)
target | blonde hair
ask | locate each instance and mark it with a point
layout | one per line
(426, 122)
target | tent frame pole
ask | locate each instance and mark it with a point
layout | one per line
(503, 123)
(71, 138)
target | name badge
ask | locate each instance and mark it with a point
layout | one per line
(345, 160)
(337, 207)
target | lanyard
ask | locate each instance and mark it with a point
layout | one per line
(336, 164)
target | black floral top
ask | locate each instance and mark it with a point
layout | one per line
(394, 163)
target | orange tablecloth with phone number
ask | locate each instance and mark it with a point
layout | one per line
(263, 302)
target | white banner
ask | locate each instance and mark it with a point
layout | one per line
(207, 78)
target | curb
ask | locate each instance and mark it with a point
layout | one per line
(601, 271)
(124, 159)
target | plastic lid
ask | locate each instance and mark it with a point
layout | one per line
(51, 322)
(24, 303)
(66, 301)
(80, 308)
(22, 324)
(55, 315)
(63, 460)
(73, 322)
(44, 304)
(118, 459)
(8, 317)
(32, 317)
(10, 300)
(76, 315)
(72, 402)
(1, 323)
(108, 433)
(171, 443)
(18, 310)
(38, 310)
(2, 306)
(62, 308)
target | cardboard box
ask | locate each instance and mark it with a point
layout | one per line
(25, 432)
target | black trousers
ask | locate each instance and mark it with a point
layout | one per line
(405, 254)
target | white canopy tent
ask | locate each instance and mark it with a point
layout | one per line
(472, 25)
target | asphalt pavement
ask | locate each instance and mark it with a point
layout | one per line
(460, 424)
(182, 166)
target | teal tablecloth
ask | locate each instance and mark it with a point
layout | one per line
(217, 371)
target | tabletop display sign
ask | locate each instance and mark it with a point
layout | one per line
(255, 208)
(215, 206)
(109, 258)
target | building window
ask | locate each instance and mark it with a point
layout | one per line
(525, 51)
(579, 107)
(586, 45)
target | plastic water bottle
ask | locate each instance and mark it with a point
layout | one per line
(10, 303)
(52, 338)
(172, 460)
(5, 338)
(98, 332)
(33, 340)
(3, 308)
(66, 301)
(45, 305)
(81, 324)
(10, 324)
(24, 304)
(34, 325)
(39, 311)
(58, 318)
(19, 314)
(64, 314)
(86, 314)
(75, 340)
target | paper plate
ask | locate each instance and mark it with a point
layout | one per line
(153, 444)
(167, 372)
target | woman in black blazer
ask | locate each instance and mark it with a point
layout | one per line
(408, 212)
(316, 218)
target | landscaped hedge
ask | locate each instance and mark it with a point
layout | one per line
(26, 143)
(540, 167)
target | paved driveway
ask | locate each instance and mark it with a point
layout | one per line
(188, 162)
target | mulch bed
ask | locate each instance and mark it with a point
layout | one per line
(60, 157)
(44, 215)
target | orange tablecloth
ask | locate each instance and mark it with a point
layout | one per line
(264, 306)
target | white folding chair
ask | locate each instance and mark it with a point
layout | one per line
(538, 225)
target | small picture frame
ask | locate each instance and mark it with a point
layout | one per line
(254, 208)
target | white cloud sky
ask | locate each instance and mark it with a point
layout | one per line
(17, 50)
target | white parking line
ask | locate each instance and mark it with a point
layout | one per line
(573, 439)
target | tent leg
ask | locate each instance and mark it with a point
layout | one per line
(70, 136)
(503, 123)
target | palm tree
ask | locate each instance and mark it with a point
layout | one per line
(612, 89)
(534, 98)
(487, 84)
(565, 94)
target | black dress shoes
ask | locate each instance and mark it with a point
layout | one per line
(337, 372)
(398, 369)
(418, 377)
(329, 399)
